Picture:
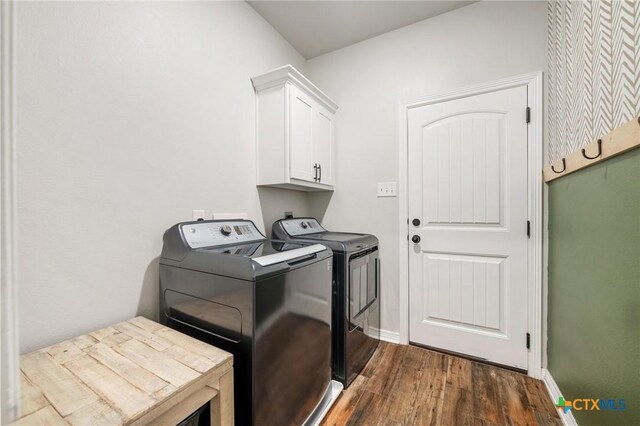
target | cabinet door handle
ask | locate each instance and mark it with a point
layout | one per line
(320, 170)
(315, 172)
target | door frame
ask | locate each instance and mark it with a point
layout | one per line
(533, 82)
(10, 353)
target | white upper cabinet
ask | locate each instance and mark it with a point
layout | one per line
(295, 131)
(301, 123)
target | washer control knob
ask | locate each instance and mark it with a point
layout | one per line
(225, 230)
(304, 225)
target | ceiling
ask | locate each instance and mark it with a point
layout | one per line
(318, 27)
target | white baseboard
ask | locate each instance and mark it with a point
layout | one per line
(388, 336)
(554, 392)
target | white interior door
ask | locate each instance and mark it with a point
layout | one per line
(468, 188)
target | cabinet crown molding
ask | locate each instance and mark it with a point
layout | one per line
(288, 74)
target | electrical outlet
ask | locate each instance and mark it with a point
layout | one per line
(229, 216)
(197, 215)
(387, 189)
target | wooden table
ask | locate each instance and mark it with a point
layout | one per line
(135, 372)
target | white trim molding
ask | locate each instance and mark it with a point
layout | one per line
(288, 73)
(554, 393)
(9, 352)
(387, 336)
(533, 82)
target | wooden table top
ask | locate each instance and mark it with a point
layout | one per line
(115, 375)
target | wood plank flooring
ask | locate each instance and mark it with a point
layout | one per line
(408, 385)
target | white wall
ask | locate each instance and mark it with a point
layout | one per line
(478, 43)
(129, 115)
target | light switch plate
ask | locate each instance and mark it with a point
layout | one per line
(197, 214)
(229, 216)
(387, 189)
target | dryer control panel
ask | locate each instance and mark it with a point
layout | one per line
(301, 226)
(219, 233)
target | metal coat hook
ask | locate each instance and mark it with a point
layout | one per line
(584, 152)
(564, 167)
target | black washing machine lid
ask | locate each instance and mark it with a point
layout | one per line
(256, 249)
(235, 249)
(341, 237)
(308, 229)
(341, 242)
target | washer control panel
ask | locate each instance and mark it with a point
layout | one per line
(301, 226)
(212, 233)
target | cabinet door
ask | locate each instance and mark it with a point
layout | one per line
(301, 117)
(323, 144)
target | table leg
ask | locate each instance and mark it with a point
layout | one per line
(222, 405)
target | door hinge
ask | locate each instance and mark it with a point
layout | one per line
(529, 228)
(528, 115)
(528, 340)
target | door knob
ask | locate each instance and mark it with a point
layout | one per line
(415, 239)
(416, 222)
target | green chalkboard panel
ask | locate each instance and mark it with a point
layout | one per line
(594, 287)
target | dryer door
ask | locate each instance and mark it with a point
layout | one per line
(363, 333)
(363, 285)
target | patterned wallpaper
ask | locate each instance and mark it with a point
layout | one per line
(593, 77)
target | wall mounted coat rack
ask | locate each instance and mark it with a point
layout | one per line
(619, 140)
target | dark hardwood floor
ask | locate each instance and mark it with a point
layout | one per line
(407, 385)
